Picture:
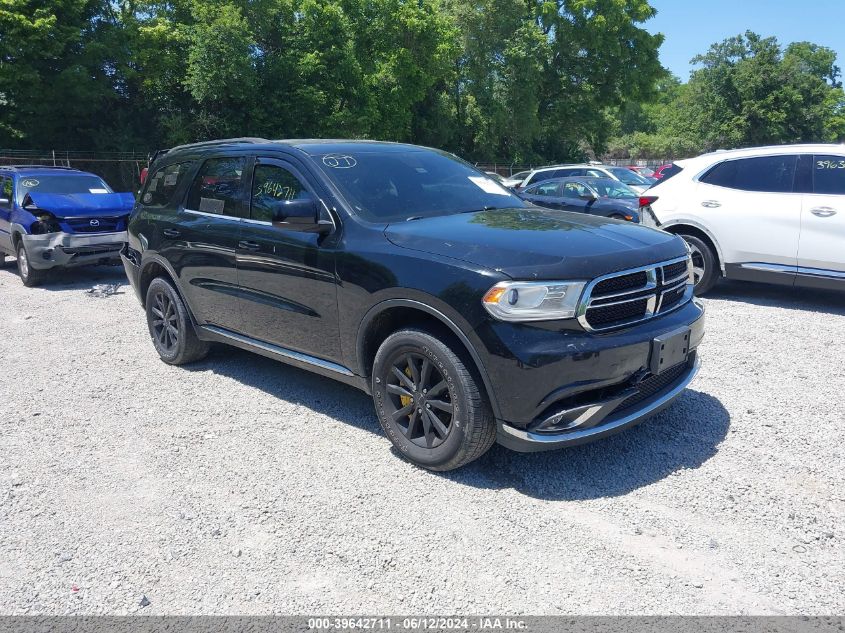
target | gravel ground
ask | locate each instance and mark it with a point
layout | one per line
(242, 486)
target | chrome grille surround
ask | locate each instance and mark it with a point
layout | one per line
(654, 290)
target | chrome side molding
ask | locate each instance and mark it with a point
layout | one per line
(281, 352)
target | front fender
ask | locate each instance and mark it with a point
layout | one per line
(148, 260)
(449, 321)
(679, 223)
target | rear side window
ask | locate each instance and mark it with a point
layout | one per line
(565, 173)
(671, 170)
(828, 175)
(540, 176)
(164, 183)
(771, 174)
(218, 187)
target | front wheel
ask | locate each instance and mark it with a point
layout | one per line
(704, 264)
(30, 276)
(429, 403)
(170, 326)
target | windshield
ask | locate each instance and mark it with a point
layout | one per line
(627, 176)
(71, 183)
(390, 186)
(607, 188)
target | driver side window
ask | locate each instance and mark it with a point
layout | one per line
(574, 190)
(273, 183)
(6, 191)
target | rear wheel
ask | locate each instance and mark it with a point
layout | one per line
(170, 326)
(429, 402)
(704, 264)
(30, 276)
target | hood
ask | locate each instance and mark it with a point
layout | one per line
(71, 205)
(534, 243)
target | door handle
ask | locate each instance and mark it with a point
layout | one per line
(171, 233)
(711, 204)
(249, 246)
(823, 212)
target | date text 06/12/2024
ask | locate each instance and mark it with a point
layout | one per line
(416, 624)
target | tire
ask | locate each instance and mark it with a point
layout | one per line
(30, 276)
(704, 262)
(170, 325)
(453, 424)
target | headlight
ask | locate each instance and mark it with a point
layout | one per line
(534, 300)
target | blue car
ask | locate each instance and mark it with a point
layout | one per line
(56, 216)
(596, 196)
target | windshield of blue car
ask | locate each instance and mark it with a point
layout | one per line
(70, 183)
(627, 176)
(392, 186)
(607, 188)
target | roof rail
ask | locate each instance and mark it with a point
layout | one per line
(223, 141)
(37, 167)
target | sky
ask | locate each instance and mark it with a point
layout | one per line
(691, 26)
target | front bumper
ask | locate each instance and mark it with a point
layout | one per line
(557, 379)
(527, 441)
(66, 249)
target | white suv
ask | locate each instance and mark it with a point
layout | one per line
(771, 214)
(620, 174)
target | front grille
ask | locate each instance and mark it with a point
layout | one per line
(673, 271)
(612, 313)
(620, 284)
(106, 249)
(652, 386)
(671, 298)
(632, 296)
(100, 225)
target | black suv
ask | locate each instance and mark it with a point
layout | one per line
(470, 315)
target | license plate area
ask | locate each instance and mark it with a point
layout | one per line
(669, 350)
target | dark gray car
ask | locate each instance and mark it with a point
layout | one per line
(596, 196)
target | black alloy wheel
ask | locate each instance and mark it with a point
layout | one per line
(165, 324)
(430, 401)
(171, 328)
(419, 400)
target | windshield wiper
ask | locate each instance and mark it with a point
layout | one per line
(483, 209)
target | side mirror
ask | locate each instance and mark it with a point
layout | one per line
(588, 196)
(4, 202)
(302, 214)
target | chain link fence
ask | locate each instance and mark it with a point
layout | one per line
(121, 170)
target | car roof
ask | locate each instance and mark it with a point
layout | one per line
(590, 180)
(765, 150)
(571, 165)
(312, 147)
(38, 170)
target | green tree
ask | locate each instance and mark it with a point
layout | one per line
(746, 91)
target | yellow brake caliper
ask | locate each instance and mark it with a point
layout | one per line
(406, 400)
